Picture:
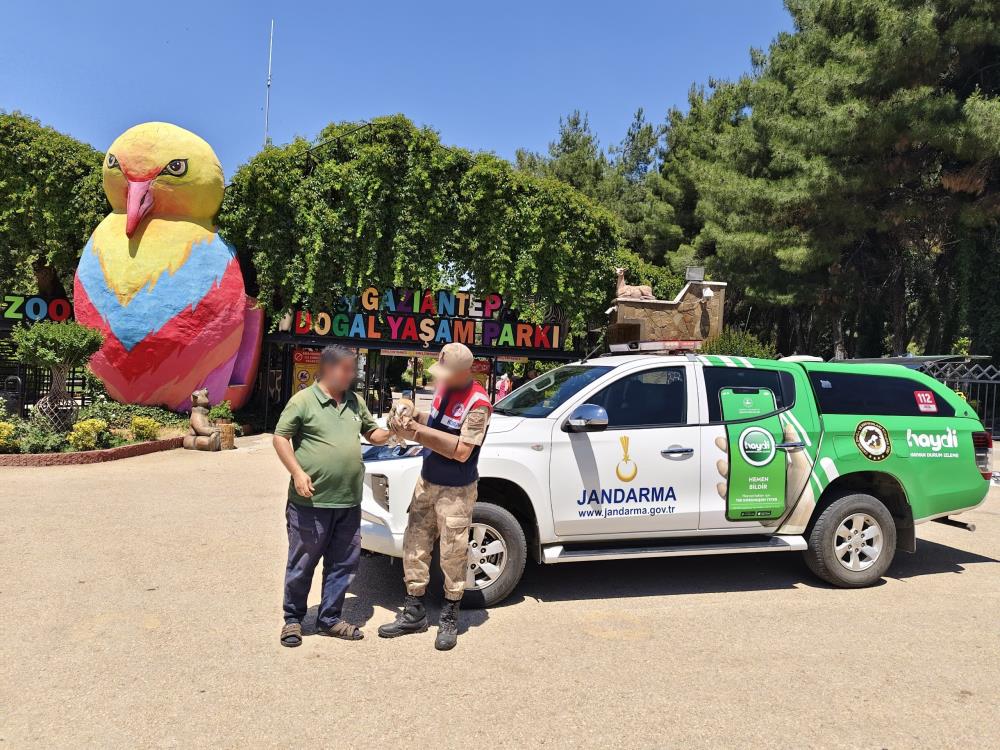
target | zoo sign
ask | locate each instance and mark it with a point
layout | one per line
(428, 317)
(21, 308)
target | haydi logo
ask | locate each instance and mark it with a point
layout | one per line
(932, 442)
(756, 446)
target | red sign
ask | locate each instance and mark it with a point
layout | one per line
(925, 401)
(305, 356)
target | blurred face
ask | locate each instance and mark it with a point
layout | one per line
(339, 377)
(456, 380)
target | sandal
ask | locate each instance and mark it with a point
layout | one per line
(343, 630)
(291, 635)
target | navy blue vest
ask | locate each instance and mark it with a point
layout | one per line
(446, 415)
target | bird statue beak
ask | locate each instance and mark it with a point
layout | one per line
(138, 204)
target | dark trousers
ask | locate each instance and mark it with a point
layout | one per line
(330, 534)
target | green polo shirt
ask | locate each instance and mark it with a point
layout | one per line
(326, 437)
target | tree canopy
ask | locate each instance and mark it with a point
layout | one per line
(51, 200)
(385, 203)
(626, 181)
(849, 186)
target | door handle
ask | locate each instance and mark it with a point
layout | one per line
(677, 451)
(793, 446)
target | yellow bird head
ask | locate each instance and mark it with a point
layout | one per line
(159, 169)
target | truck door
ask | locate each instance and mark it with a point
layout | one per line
(640, 473)
(757, 448)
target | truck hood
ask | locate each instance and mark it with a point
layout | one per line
(503, 423)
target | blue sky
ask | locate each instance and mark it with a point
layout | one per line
(491, 76)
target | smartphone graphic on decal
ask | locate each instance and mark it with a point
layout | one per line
(756, 483)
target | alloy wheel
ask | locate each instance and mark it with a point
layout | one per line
(858, 542)
(487, 557)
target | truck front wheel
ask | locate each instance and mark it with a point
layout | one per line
(497, 553)
(852, 542)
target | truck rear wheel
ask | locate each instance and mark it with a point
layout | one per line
(497, 554)
(852, 542)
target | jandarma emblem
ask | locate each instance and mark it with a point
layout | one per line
(626, 469)
(872, 440)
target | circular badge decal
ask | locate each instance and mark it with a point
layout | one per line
(757, 446)
(872, 440)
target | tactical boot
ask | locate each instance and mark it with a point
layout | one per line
(447, 635)
(413, 619)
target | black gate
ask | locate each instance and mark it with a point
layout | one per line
(979, 383)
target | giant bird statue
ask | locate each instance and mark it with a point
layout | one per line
(160, 282)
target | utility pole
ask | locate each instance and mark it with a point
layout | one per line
(267, 96)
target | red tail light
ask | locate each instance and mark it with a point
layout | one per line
(983, 443)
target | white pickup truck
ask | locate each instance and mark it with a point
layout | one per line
(659, 456)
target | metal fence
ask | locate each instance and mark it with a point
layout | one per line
(979, 383)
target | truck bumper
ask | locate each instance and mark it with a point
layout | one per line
(376, 536)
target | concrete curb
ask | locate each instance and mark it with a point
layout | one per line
(90, 457)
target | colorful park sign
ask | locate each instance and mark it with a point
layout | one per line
(430, 318)
(22, 308)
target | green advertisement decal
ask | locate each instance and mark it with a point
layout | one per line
(756, 466)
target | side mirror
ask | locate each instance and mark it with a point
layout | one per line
(587, 418)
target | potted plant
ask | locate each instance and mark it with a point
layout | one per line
(59, 347)
(222, 415)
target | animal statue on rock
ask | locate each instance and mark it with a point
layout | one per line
(202, 435)
(160, 282)
(641, 291)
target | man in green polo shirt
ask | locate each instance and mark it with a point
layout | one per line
(318, 440)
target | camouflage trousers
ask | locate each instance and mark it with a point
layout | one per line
(438, 511)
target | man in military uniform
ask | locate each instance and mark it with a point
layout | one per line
(442, 502)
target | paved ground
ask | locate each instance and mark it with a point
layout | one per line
(140, 608)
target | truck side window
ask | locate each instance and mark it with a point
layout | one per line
(851, 393)
(778, 382)
(651, 398)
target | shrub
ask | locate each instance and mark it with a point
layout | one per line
(144, 428)
(36, 435)
(90, 434)
(221, 411)
(120, 416)
(8, 438)
(734, 342)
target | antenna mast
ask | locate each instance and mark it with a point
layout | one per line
(267, 96)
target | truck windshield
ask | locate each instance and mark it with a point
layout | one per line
(543, 395)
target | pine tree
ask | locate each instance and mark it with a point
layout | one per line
(849, 191)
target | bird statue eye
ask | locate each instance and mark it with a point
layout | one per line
(176, 168)
(112, 161)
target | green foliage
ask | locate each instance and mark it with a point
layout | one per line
(48, 344)
(36, 435)
(386, 204)
(736, 343)
(90, 434)
(144, 428)
(846, 186)
(51, 199)
(624, 180)
(8, 438)
(120, 416)
(222, 410)
(541, 243)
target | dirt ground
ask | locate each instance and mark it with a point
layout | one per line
(140, 607)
